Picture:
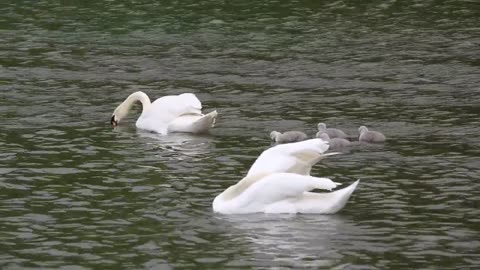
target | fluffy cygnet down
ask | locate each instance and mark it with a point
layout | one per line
(335, 143)
(288, 137)
(332, 132)
(370, 136)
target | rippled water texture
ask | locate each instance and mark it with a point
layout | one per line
(75, 194)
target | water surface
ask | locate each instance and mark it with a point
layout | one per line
(76, 194)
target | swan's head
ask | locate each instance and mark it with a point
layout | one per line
(362, 129)
(323, 136)
(120, 112)
(114, 121)
(274, 134)
(321, 126)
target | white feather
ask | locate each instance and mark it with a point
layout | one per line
(296, 157)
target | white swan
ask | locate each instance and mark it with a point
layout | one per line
(279, 182)
(288, 136)
(182, 113)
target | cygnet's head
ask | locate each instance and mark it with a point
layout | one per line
(362, 129)
(321, 126)
(324, 136)
(274, 134)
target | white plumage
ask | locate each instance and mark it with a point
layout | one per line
(176, 113)
(279, 182)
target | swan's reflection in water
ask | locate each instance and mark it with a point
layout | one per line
(179, 146)
(293, 240)
(180, 152)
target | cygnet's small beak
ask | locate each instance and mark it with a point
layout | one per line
(113, 122)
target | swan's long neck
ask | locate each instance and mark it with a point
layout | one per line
(138, 96)
(123, 109)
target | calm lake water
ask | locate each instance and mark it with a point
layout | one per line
(77, 194)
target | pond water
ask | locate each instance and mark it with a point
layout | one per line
(77, 194)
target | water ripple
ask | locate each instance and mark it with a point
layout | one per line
(78, 195)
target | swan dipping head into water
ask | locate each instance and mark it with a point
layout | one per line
(122, 110)
(175, 113)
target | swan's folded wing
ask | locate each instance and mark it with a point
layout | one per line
(167, 108)
(190, 100)
(326, 203)
(282, 186)
(296, 157)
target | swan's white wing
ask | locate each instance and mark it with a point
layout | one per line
(174, 106)
(325, 203)
(296, 157)
(280, 186)
(165, 109)
(275, 188)
(193, 123)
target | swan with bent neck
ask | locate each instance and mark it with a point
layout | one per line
(279, 181)
(175, 113)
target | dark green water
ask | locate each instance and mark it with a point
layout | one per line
(75, 194)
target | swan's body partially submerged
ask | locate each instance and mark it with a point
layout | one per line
(181, 113)
(279, 182)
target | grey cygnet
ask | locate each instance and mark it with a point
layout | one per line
(288, 137)
(370, 136)
(332, 132)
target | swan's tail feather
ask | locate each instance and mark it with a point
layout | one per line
(323, 183)
(277, 187)
(325, 203)
(213, 115)
(204, 123)
(332, 154)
